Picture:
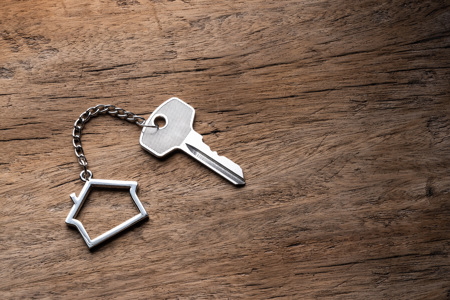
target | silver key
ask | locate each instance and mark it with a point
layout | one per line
(178, 133)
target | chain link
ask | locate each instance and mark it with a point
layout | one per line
(91, 112)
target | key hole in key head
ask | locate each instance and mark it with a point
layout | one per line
(160, 121)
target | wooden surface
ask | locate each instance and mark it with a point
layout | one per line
(337, 111)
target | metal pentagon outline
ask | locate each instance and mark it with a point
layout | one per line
(78, 203)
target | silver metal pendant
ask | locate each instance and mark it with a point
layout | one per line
(78, 203)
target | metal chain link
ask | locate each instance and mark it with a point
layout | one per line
(91, 112)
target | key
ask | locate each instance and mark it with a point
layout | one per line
(178, 133)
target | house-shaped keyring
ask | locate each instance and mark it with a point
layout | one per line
(102, 183)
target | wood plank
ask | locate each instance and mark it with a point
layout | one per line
(337, 111)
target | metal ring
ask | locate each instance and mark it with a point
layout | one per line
(142, 124)
(76, 142)
(83, 175)
(151, 126)
(82, 161)
(79, 151)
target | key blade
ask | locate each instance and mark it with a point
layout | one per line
(195, 147)
(215, 166)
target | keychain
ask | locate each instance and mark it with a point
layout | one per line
(176, 133)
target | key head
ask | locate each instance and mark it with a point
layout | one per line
(178, 116)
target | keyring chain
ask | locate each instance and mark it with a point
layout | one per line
(177, 133)
(91, 112)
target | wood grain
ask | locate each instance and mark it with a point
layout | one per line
(337, 111)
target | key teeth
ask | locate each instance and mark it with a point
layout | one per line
(225, 161)
(209, 148)
(220, 156)
(226, 158)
